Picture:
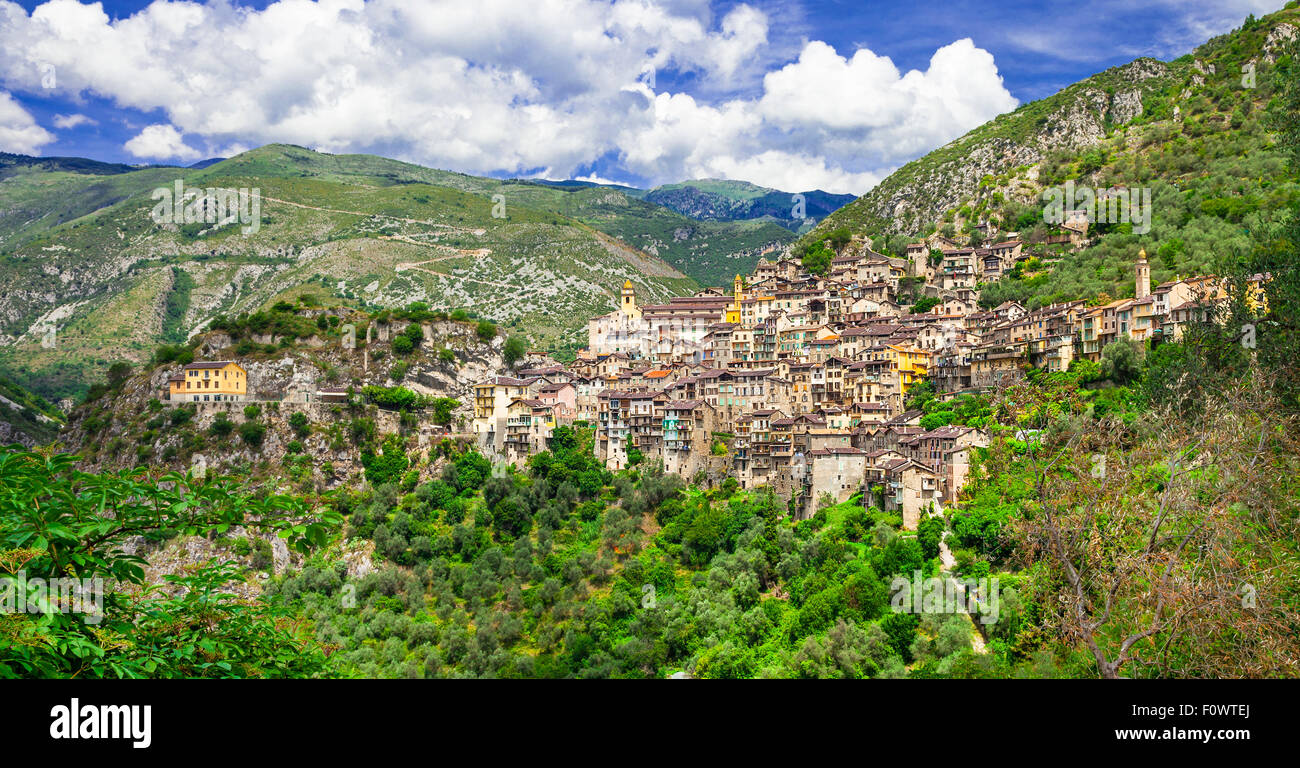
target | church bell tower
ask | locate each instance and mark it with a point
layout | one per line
(1143, 269)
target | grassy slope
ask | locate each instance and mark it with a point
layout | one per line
(379, 238)
(708, 252)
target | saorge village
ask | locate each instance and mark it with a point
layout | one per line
(798, 381)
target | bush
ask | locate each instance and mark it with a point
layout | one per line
(1121, 360)
(300, 423)
(252, 432)
(487, 331)
(925, 304)
(169, 353)
(221, 426)
(362, 431)
(817, 259)
(442, 408)
(399, 398)
(388, 466)
(937, 419)
(515, 349)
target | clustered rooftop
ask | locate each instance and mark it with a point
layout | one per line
(797, 381)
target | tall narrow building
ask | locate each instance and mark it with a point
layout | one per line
(1143, 288)
(629, 306)
(733, 311)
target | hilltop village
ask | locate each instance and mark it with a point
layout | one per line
(798, 381)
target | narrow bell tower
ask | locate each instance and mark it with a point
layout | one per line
(628, 305)
(737, 290)
(1143, 269)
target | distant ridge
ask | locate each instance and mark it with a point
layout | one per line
(577, 184)
(732, 200)
(10, 162)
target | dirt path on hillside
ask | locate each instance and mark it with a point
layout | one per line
(948, 562)
(445, 276)
(449, 227)
(454, 253)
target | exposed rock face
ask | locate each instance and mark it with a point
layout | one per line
(1081, 117)
(279, 555)
(185, 553)
(280, 386)
(1279, 37)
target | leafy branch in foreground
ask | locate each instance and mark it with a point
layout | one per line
(57, 522)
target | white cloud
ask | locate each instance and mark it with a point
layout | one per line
(161, 142)
(866, 100)
(822, 122)
(230, 150)
(19, 132)
(548, 86)
(594, 179)
(67, 122)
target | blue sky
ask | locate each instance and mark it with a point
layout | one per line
(831, 93)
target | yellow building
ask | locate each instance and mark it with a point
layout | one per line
(217, 381)
(911, 363)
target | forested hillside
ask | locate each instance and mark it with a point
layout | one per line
(1199, 133)
(728, 200)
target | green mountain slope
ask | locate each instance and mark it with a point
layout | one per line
(1196, 132)
(376, 232)
(727, 200)
(711, 252)
(40, 193)
(708, 252)
(27, 418)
